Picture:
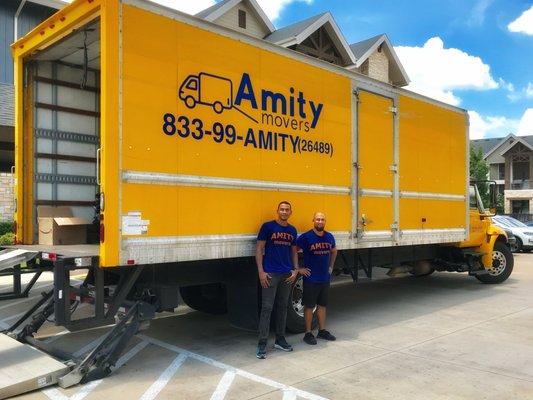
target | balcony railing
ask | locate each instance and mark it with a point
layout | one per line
(522, 185)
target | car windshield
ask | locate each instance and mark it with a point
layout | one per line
(515, 222)
(498, 220)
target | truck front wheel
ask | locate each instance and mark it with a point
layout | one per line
(502, 265)
(210, 298)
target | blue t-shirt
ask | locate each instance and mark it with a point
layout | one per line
(317, 253)
(279, 240)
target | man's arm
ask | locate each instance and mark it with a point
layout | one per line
(294, 253)
(264, 278)
(332, 258)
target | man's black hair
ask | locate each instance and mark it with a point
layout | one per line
(284, 202)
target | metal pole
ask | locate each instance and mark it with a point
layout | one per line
(15, 25)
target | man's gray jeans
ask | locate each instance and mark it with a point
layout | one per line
(277, 294)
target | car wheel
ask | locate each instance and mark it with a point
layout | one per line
(502, 265)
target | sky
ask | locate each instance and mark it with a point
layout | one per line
(477, 54)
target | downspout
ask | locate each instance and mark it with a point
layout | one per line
(15, 24)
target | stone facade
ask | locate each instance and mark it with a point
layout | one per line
(6, 197)
(378, 66)
(511, 195)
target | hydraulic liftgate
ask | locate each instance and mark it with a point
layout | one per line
(111, 308)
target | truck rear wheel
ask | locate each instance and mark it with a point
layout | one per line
(502, 265)
(295, 311)
(210, 298)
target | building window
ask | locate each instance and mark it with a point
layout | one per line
(501, 171)
(520, 206)
(520, 170)
(242, 19)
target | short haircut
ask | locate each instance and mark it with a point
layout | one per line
(284, 202)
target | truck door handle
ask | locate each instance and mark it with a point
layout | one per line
(98, 151)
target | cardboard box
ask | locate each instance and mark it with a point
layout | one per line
(57, 225)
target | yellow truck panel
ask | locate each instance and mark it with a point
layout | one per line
(204, 131)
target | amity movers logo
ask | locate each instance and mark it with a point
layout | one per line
(284, 110)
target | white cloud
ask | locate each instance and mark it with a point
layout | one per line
(529, 90)
(187, 6)
(477, 17)
(436, 71)
(525, 93)
(272, 8)
(499, 126)
(525, 126)
(481, 127)
(524, 23)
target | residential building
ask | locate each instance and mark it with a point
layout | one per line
(511, 165)
(318, 36)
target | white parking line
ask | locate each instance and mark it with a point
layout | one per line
(223, 386)
(164, 378)
(289, 395)
(240, 372)
(55, 394)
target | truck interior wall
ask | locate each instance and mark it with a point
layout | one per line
(65, 102)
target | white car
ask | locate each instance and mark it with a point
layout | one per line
(522, 232)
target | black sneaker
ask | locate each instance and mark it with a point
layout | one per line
(324, 334)
(281, 344)
(309, 338)
(262, 350)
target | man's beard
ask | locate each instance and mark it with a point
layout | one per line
(319, 228)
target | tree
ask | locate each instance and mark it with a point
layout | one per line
(479, 171)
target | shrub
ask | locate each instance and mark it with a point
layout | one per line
(7, 239)
(5, 227)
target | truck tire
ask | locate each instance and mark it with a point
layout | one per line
(502, 265)
(210, 298)
(295, 309)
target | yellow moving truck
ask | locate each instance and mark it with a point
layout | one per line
(189, 135)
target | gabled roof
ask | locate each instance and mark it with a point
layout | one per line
(486, 144)
(525, 140)
(296, 33)
(362, 50)
(220, 8)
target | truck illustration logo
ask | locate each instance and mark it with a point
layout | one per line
(209, 90)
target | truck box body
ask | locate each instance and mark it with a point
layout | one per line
(186, 180)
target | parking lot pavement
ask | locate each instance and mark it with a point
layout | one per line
(445, 336)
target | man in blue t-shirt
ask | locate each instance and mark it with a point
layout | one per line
(319, 251)
(276, 259)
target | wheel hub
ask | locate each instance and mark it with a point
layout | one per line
(297, 291)
(499, 263)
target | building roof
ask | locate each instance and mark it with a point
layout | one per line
(364, 49)
(296, 33)
(220, 8)
(486, 144)
(489, 146)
